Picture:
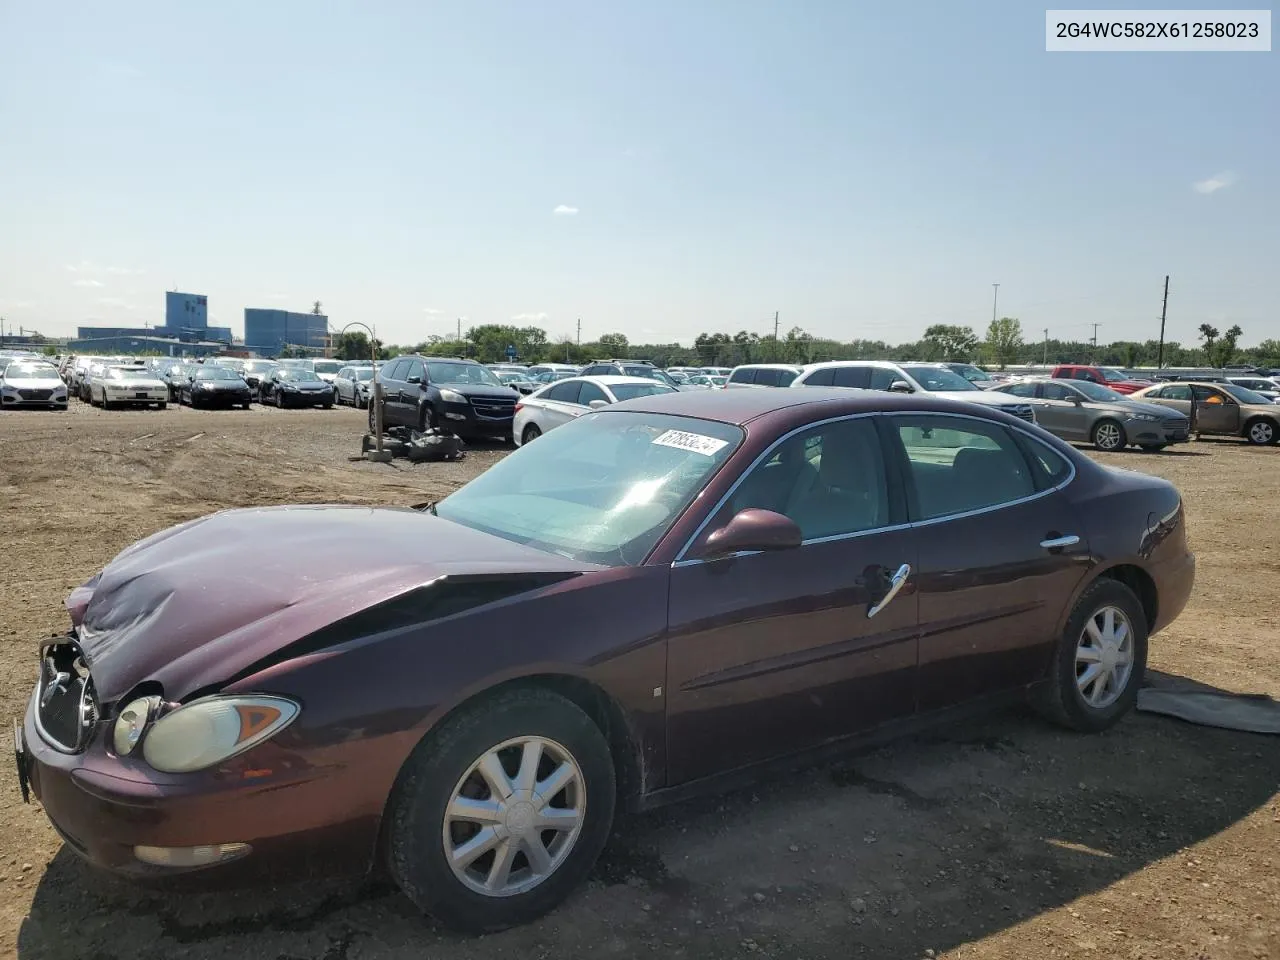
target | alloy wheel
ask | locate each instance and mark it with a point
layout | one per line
(1107, 436)
(1262, 433)
(1104, 657)
(514, 817)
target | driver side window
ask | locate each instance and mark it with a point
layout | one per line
(829, 479)
(591, 391)
(1056, 391)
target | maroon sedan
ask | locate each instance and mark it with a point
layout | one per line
(659, 597)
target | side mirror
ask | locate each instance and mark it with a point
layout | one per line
(754, 529)
(1075, 399)
(412, 379)
(900, 386)
(598, 404)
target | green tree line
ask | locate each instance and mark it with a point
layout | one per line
(1002, 345)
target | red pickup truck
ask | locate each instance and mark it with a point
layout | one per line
(1107, 376)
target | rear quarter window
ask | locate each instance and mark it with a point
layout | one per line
(743, 376)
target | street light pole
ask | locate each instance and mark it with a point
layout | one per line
(995, 297)
(380, 455)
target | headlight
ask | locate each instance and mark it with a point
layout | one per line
(1142, 416)
(131, 723)
(208, 731)
(452, 396)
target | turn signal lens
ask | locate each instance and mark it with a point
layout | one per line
(208, 731)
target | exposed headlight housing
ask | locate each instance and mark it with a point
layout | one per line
(452, 396)
(132, 723)
(208, 731)
(1143, 416)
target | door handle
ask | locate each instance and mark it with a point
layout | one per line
(1057, 543)
(897, 583)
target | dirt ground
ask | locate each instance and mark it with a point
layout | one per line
(1002, 838)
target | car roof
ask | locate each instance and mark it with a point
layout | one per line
(770, 366)
(742, 406)
(613, 380)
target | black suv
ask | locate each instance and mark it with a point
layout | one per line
(455, 396)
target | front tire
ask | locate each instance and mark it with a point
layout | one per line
(1100, 661)
(525, 778)
(1260, 432)
(1108, 436)
(531, 433)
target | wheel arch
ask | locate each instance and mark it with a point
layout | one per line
(1248, 424)
(605, 712)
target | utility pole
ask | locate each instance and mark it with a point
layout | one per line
(459, 330)
(1163, 310)
(1095, 342)
(777, 352)
(579, 339)
(1046, 346)
(995, 297)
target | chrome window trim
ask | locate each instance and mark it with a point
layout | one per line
(680, 560)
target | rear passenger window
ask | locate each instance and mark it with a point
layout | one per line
(767, 378)
(785, 377)
(959, 465)
(851, 377)
(742, 376)
(820, 378)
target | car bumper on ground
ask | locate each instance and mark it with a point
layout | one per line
(157, 828)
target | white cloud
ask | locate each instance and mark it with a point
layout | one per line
(564, 210)
(86, 282)
(529, 317)
(1215, 183)
(432, 312)
(88, 267)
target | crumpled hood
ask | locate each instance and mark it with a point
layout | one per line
(192, 605)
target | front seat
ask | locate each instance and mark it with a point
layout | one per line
(848, 494)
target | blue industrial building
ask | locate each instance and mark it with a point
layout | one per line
(186, 321)
(269, 332)
(122, 340)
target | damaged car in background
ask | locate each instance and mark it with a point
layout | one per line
(781, 573)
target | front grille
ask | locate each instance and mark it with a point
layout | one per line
(66, 707)
(1022, 411)
(35, 394)
(494, 408)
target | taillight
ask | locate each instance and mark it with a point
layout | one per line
(518, 407)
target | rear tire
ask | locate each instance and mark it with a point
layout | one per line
(162, 406)
(1108, 436)
(531, 433)
(1062, 698)
(444, 767)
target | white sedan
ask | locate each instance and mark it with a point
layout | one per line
(32, 383)
(564, 400)
(127, 386)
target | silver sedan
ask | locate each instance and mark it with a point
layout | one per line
(565, 400)
(1087, 412)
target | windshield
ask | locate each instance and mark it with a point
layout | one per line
(128, 373)
(937, 378)
(362, 373)
(19, 371)
(601, 489)
(508, 377)
(216, 373)
(296, 365)
(1096, 391)
(287, 373)
(972, 374)
(327, 366)
(1245, 395)
(629, 391)
(446, 371)
(1112, 375)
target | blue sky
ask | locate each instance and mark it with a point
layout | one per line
(865, 171)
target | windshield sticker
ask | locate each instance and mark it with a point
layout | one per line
(693, 442)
